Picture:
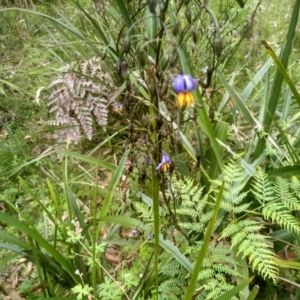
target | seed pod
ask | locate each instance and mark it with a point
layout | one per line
(179, 143)
(152, 88)
(126, 44)
(198, 157)
(131, 128)
(218, 45)
(142, 57)
(188, 15)
(127, 101)
(121, 67)
(128, 85)
(164, 88)
(209, 74)
(179, 200)
(194, 35)
(211, 114)
(152, 6)
(176, 28)
(159, 122)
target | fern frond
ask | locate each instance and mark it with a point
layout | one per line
(82, 93)
(233, 196)
(191, 226)
(282, 189)
(171, 288)
(144, 211)
(187, 211)
(262, 188)
(277, 212)
(295, 186)
(235, 209)
(215, 287)
(278, 201)
(246, 238)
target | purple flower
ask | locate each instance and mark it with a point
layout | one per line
(165, 162)
(183, 83)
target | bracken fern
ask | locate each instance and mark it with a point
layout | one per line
(78, 97)
(278, 200)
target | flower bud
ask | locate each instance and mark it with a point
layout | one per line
(152, 6)
(218, 45)
(188, 15)
(194, 35)
(121, 67)
(179, 143)
(126, 44)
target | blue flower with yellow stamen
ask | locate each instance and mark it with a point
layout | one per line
(183, 85)
(165, 163)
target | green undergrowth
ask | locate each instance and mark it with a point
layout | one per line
(88, 112)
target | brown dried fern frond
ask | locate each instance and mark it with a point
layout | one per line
(79, 96)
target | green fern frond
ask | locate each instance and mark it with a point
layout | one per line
(205, 218)
(219, 260)
(295, 186)
(171, 288)
(191, 226)
(277, 212)
(250, 243)
(172, 268)
(234, 209)
(214, 288)
(206, 273)
(277, 199)
(191, 212)
(233, 172)
(262, 188)
(187, 190)
(144, 211)
(233, 196)
(282, 189)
